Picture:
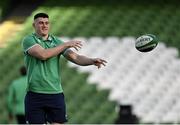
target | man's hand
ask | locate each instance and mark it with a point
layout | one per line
(74, 44)
(99, 62)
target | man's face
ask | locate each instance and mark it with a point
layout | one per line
(41, 26)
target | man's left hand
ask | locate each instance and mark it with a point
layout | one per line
(99, 62)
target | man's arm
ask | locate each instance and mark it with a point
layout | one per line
(43, 54)
(83, 60)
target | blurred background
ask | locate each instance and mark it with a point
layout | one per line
(134, 87)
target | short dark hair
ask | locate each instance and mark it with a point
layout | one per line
(44, 15)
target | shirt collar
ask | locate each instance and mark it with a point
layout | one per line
(40, 38)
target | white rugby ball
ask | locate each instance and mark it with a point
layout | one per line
(146, 43)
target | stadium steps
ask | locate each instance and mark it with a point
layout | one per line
(153, 93)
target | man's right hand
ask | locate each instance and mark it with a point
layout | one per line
(74, 44)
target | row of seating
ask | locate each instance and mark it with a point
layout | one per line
(105, 20)
(148, 81)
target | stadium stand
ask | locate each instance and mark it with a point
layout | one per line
(108, 22)
(147, 81)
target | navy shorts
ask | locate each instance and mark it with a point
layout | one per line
(45, 108)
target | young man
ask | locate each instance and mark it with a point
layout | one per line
(44, 101)
(16, 95)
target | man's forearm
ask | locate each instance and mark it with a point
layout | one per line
(43, 54)
(48, 53)
(83, 60)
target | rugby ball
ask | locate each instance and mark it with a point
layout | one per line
(146, 43)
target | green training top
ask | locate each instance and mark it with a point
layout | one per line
(16, 95)
(43, 75)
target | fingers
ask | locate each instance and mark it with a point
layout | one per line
(75, 44)
(99, 62)
(99, 66)
(103, 62)
(78, 46)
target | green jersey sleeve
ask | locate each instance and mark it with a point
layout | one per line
(27, 43)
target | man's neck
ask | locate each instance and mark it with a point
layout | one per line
(42, 36)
